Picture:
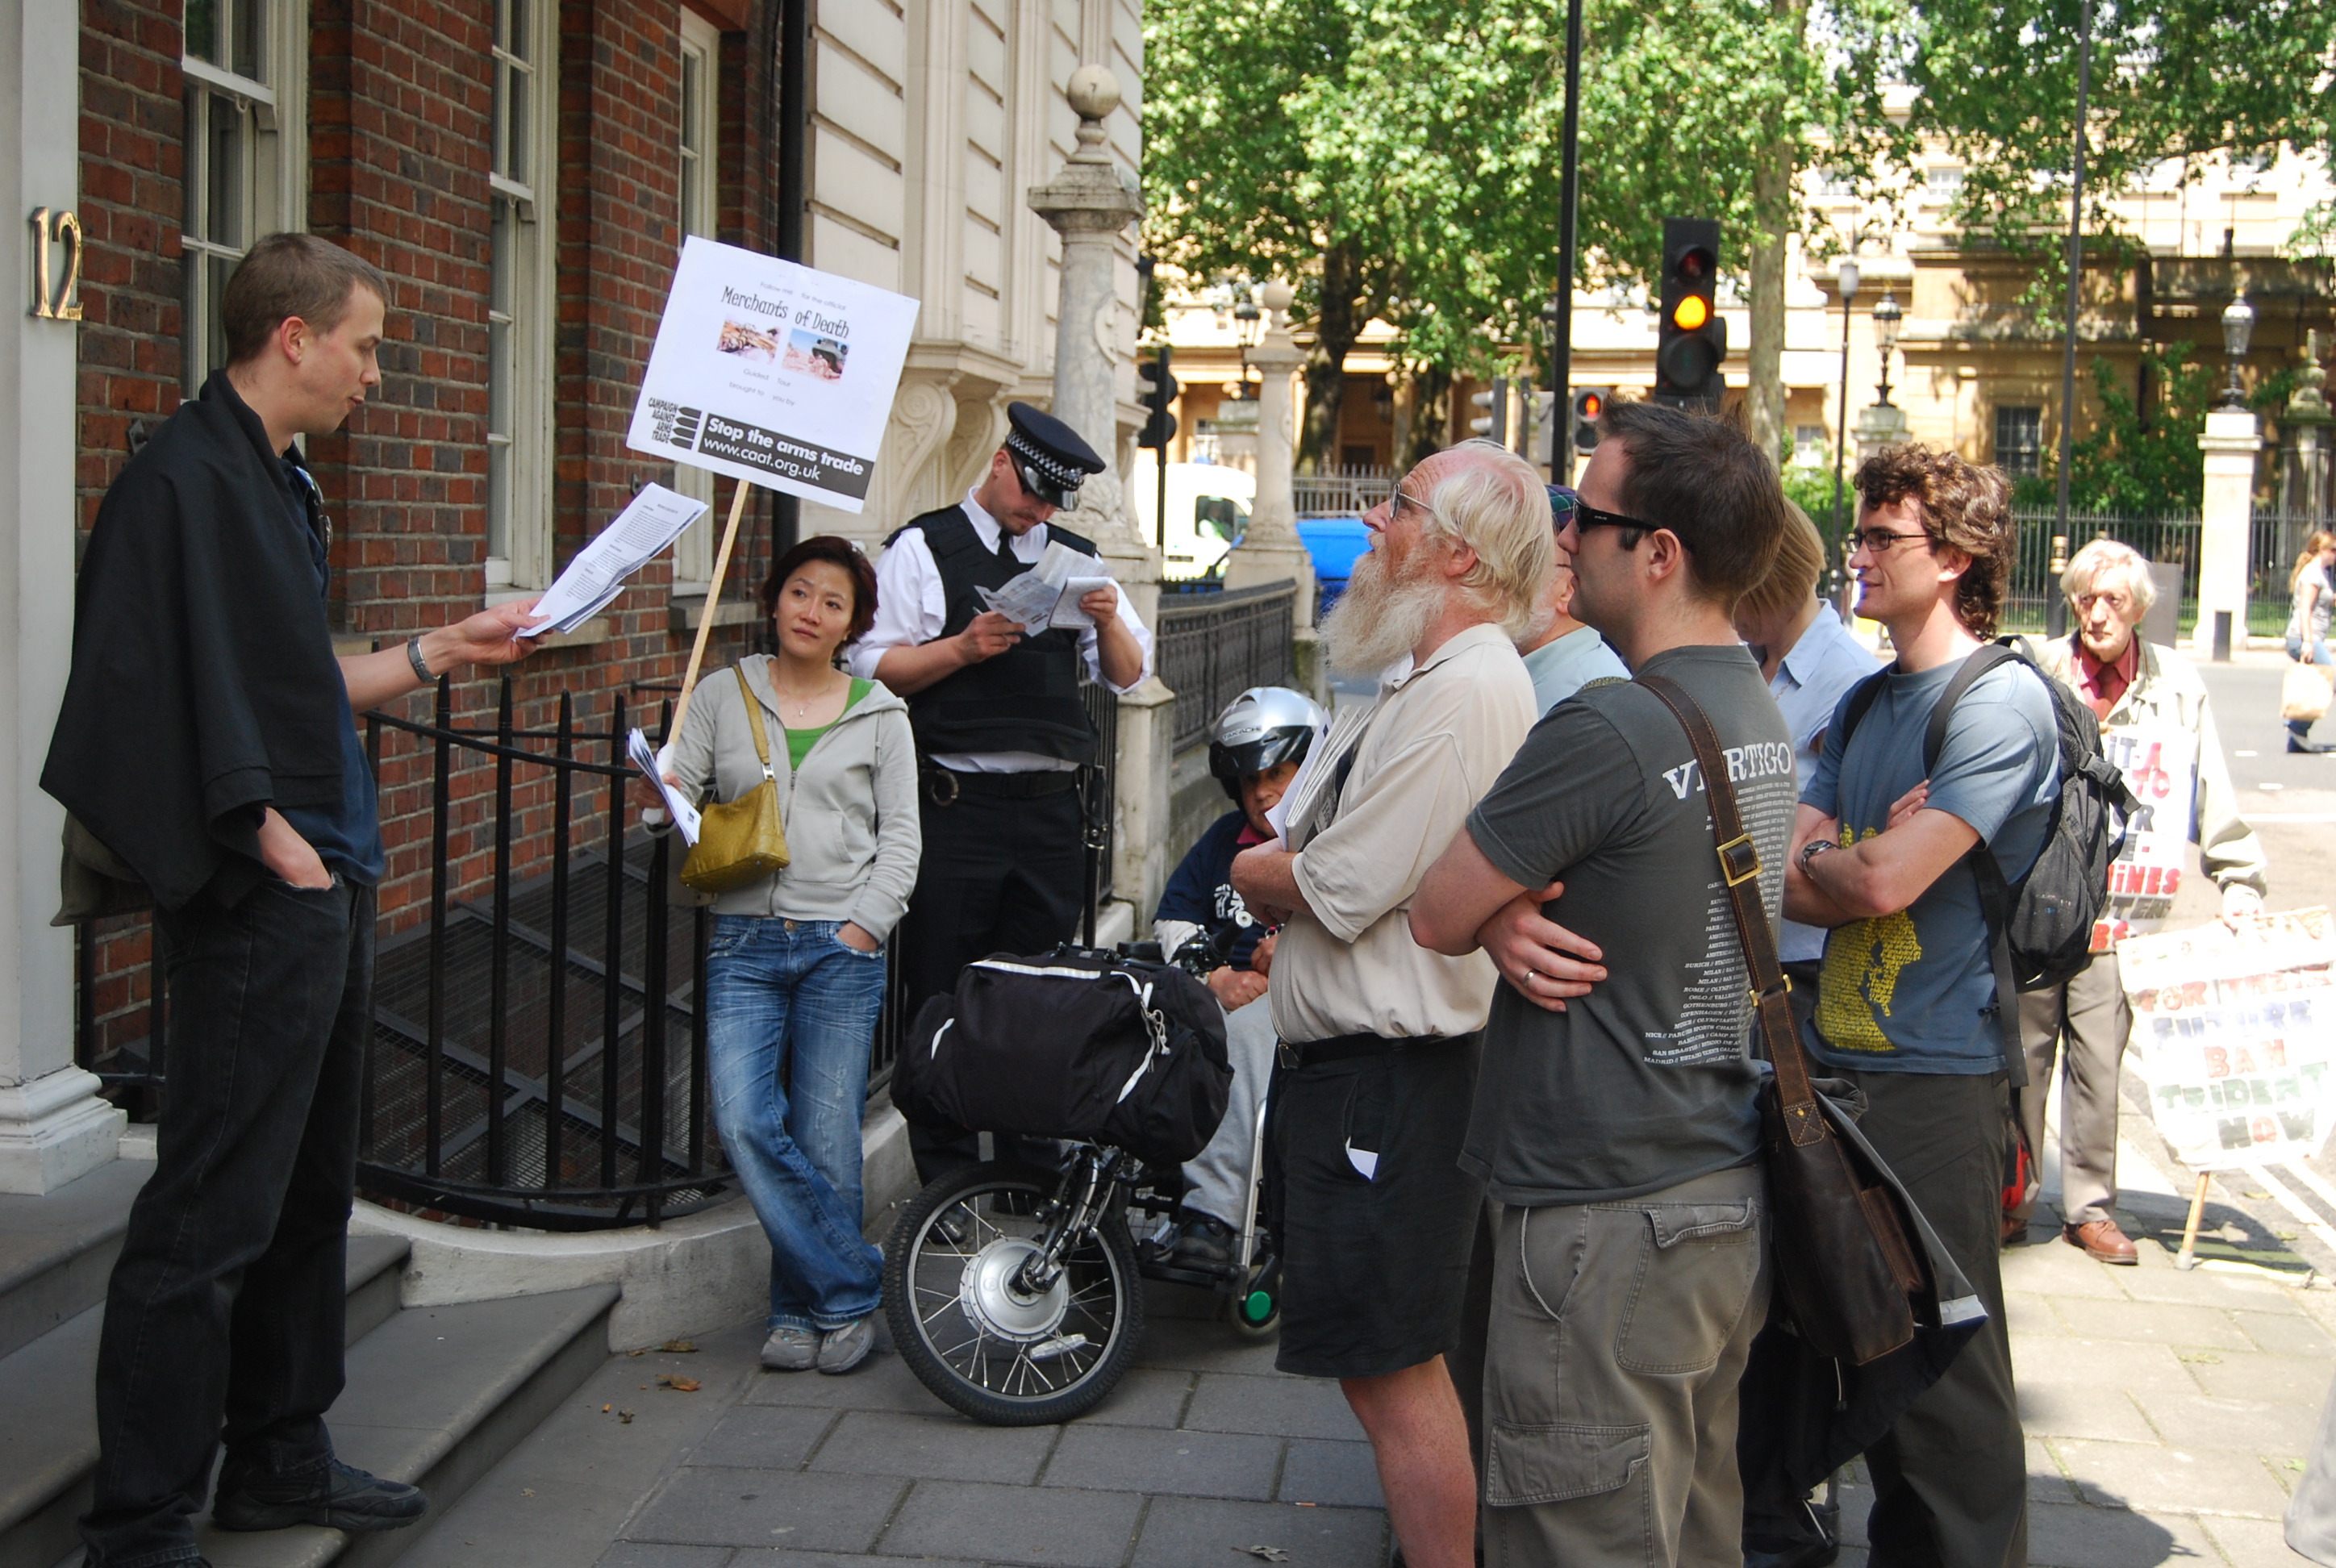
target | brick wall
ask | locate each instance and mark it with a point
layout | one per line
(400, 96)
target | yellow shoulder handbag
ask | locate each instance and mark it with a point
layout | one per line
(741, 841)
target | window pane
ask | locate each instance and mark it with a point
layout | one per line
(498, 500)
(501, 263)
(502, 23)
(498, 119)
(243, 21)
(516, 139)
(216, 271)
(692, 64)
(2018, 439)
(202, 30)
(516, 40)
(223, 192)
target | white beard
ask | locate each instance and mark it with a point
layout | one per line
(1380, 618)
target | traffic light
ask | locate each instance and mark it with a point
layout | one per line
(1588, 404)
(1494, 420)
(1691, 339)
(1156, 389)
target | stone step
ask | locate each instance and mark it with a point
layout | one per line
(56, 1250)
(48, 1423)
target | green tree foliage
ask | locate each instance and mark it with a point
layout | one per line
(2172, 81)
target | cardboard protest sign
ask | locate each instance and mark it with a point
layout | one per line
(2159, 767)
(2234, 1033)
(773, 374)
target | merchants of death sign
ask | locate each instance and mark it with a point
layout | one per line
(2235, 1033)
(773, 374)
(2160, 766)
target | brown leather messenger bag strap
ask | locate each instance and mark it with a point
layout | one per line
(1739, 867)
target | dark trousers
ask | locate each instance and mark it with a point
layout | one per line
(1000, 875)
(1950, 1477)
(224, 1317)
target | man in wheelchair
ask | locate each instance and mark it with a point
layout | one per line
(1254, 751)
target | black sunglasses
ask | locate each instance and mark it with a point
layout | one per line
(1586, 516)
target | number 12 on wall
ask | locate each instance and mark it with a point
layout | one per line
(52, 300)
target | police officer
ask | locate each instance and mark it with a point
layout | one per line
(1000, 729)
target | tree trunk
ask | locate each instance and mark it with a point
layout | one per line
(1431, 416)
(1772, 209)
(1337, 324)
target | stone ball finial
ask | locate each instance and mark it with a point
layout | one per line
(1278, 295)
(1094, 92)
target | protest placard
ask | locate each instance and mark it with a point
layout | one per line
(773, 374)
(2234, 1036)
(2159, 767)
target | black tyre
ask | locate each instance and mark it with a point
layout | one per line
(978, 1343)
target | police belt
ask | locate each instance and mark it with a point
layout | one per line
(944, 784)
(1297, 1054)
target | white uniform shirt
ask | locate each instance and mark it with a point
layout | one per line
(913, 607)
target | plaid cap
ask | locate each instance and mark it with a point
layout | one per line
(1052, 460)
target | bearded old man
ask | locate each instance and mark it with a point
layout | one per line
(1380, 1036)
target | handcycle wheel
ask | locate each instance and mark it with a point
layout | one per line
(978, 1341)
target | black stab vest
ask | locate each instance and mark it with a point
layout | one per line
(1024, 699)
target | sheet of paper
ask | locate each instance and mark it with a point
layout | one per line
(772, 373)
(657, 517)
(1028, 600)
(649, 763)
(1068, 612)
(1311, 799)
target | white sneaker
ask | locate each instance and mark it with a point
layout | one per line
(790, 1350)
(840, 1350)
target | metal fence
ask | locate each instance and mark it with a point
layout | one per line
(1213, 646)
(2167, 541)
(1342, 492)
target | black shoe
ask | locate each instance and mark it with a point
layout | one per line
(2311, 747)
(335, 1496)
(1204, 1245)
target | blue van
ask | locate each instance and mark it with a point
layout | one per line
(1335, 543)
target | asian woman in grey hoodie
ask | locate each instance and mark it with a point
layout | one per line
(795, 970)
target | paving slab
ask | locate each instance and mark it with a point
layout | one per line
(2049, 1409)
(2279, 1379)
(2074, 1535)
(2096, 1364)
(2285, 1333)
(2253, 1543)
(715, 1507)
(1189, 1464)
(2185, 1480)
(2050, 1269)
(784, 1559)
(2154, 1323)
(2240, 1426)
(1277, 1406)
(2212, 1288)
(1195, 1533)
(2047, 1483)
(2031, 1312)
(1146, 1396)
(765, 1436)
(934, 1447)
(1017, 1525)
(1330, 1473)
(635, 1554)
(882, 1382)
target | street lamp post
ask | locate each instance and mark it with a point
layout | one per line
(2238, 326)
(1847, 279)
(1887, 320)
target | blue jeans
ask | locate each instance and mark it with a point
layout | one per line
(790, 1012)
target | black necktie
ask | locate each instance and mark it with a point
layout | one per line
(1005, 549)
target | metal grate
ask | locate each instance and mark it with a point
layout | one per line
(1214, 647)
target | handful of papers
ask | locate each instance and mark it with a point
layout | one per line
(645, 760)
(1312, 802)
(1048, 594)
(657, 517)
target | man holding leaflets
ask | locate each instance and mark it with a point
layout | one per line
(2152, 705)
(1001, 730)
(208, 753)
(1614, 1120)
(1907, 1007)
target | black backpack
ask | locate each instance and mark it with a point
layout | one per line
(1070, 1044)
(2042, 926)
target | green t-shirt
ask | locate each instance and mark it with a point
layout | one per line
(801, 741)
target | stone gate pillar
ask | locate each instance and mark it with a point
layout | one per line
(2226, 513)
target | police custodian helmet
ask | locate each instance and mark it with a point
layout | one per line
(1264, 725)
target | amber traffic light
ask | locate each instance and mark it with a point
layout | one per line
(1691, 339)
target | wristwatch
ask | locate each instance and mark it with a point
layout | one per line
(1812, 849)
(421, 666)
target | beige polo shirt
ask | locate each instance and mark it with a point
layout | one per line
(1441, 735)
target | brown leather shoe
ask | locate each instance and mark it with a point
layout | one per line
(2102, 1242)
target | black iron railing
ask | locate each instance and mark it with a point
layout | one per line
(536, 1056)
(1214, 647)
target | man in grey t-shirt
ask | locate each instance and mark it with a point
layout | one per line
(1614, 1117)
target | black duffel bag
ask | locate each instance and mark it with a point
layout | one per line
(1072, 1044)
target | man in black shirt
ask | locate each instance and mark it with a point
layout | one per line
(1614, 1120)
(207, 741)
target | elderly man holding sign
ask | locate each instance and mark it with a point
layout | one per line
(2156, 724)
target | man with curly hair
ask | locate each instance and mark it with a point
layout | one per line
(1907, 1009)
